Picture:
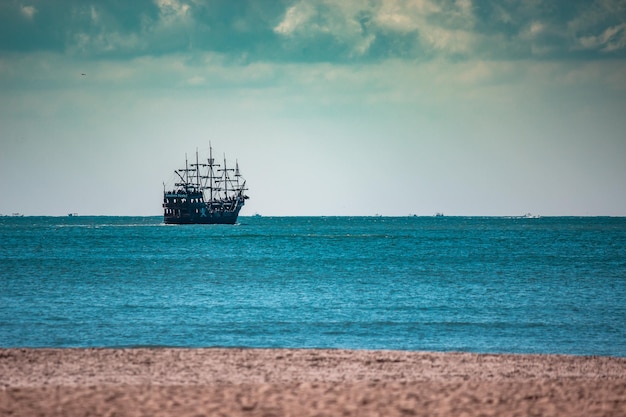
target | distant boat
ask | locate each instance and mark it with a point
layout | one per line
(72, 214)
(438, 214)
(531, 216)
(206, 193)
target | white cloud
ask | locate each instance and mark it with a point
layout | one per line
(442, 30)
(28, 11)
(295, 19)
(540, 37)
(95, 15)
(438, 29)
(599, 27)
(338, 19)
(421, 6)
(595, 14)
(393, 20)
(611, 39)
(172, 10)
(535, 29)
(405, 15)
(171, 29)
(450, 41)
(196, 80)
(357, 24)
(104, 41)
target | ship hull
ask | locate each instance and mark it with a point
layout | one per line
(218, 217)
(201, 213)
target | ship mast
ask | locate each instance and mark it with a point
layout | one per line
(184, 178)
(210, 172)
(237, 174)
(197, 172)
(186, 172)
(225, 178)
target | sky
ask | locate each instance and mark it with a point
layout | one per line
(369, 107)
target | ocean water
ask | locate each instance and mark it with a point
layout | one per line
(520, 285)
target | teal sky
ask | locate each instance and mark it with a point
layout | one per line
(331, 107)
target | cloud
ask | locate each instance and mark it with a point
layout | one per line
(379, 29)
(319, 30)
(196, 80)
(323, 26)
(28, 11)
(612, 39)
(173, 11)
(438, 27)
(296, 17)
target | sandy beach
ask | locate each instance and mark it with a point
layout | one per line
(302, 382)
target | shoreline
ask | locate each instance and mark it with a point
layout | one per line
(305, 382)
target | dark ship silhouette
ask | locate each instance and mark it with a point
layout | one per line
(205, 193)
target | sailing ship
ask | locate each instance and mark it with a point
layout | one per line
(205, 193)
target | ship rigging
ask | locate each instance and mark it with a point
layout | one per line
(205, 192)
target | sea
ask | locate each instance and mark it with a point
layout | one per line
(470, 284)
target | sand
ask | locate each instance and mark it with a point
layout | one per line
(305, 382)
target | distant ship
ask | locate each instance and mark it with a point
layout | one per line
(531, 216)
(206, 193)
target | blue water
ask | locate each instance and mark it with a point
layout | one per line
(547, 285)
